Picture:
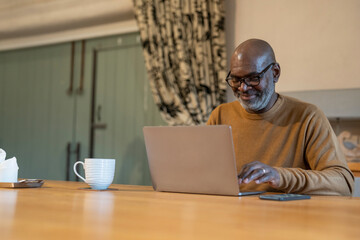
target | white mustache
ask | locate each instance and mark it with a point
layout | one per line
(251, 92)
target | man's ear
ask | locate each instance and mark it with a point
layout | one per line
(276, 72)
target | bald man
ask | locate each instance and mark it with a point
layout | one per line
(281, 144)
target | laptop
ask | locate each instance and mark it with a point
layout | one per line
(193, 159)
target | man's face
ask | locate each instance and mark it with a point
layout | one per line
(253, 98)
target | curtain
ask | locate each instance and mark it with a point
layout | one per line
(184, 48)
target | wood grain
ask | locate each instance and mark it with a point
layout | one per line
(355, 168)
(69, 210)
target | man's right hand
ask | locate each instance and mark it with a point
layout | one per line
(260, 173)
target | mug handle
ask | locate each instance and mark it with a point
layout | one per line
(77, 174)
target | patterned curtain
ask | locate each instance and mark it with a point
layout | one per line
(184, 48)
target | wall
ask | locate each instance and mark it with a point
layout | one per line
(317, 42)
(29, 23)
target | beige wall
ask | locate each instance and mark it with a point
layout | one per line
(29, 23)
(316, 42)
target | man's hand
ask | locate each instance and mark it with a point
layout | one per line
(260, 173)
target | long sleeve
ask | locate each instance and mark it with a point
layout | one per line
(328, 172)
(331, 181)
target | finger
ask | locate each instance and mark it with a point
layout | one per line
(244, 169)
(258, 168)
(268, 177)
(255, 174)
(247, 169)
(242, 172)
(246, 172)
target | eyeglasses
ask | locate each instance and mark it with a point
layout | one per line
(251, 81)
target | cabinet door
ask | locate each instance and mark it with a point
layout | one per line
(122, 105)
(36, 114)
(38, 118)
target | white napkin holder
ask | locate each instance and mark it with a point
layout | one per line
(8, 168)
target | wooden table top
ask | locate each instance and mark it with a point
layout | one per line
(68, 210)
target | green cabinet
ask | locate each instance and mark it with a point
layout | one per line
(47, 127)
(36, 115)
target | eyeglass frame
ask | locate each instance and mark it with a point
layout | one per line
(246, 80)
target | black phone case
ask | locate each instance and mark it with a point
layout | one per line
(284, 197)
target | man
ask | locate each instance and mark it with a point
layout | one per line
(281, 144)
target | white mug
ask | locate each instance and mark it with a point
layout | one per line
(99, 173)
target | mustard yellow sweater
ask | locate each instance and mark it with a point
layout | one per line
(294, 137)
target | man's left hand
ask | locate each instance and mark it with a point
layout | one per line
(260, 173)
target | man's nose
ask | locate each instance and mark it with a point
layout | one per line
(243, 87)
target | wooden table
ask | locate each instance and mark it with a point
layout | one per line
(355, 168)
(67, 210)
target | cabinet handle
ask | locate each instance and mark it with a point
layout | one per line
(68, 153)
(78, 148)
(72, 59)
(82, 70)
(98, 113)
(99, 126)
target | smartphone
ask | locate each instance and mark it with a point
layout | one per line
(284, 197)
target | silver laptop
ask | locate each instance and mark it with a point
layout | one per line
(197, 159)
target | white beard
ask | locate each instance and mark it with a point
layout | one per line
(261, 100)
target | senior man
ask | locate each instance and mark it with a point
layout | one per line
(281, 143)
